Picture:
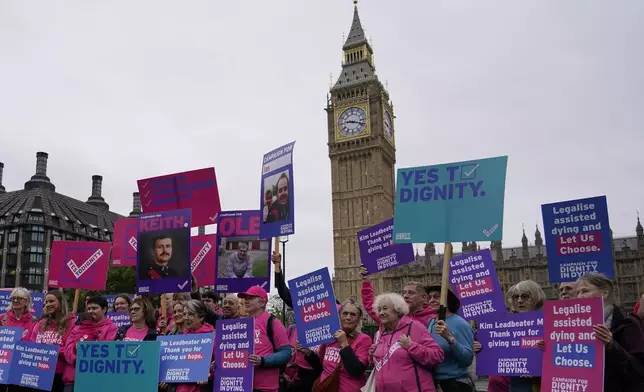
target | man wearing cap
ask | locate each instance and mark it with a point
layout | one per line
(271, 352)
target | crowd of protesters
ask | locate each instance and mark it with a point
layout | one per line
(412, 349)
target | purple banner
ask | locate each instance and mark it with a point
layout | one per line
(243, 260)
(509, 345)
(378, 252)
(277, 196)
(185, 358)
(235, 342)
(163, 263)
(477, 286)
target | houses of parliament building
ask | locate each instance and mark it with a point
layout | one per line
(362, 151)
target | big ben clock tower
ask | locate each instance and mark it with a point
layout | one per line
(362, 151)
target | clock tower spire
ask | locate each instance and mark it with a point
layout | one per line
(362, 151)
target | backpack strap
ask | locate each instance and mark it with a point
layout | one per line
(269, 331)
(414, 362)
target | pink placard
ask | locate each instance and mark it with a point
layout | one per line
(203, 253)
(196, 190)
(125, 243)
(79, 264)
(573, 358)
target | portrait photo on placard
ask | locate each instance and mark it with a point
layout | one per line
(277, 197)
(243, 258)
(164, 254)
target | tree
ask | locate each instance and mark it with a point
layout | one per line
(275, 306)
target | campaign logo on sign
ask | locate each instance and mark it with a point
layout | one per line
(79, 264)
(203, 250)
(125, 243)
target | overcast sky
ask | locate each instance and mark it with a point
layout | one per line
(133, 89)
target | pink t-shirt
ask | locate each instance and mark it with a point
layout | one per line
(135, 334)
(267, 380)
(331, 360)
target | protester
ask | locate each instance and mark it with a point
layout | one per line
(343, 362)
(96, 328)
(211, 300)
(178, 319)
(122, 303)
(566, 290)
(195, 314)
(622, 335)
(19, 312)
(142, 325)
(415, 295)
(455, 336)
(526, 296)
(231, 307)
(54, 328)
(404, 352)
(271, 352)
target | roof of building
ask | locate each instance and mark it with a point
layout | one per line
(39, 198)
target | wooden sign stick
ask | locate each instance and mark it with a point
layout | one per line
(445, 281)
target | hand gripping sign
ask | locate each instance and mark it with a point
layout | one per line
(79, 265)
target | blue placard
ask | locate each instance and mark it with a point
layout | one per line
(578, 239)
(34, 365)
(235, 343)
(277, 197)
(314, 307)
(8, 338)
(119, 318)
(111, 298)
(186, 358)
(453, 202)
(117, 366)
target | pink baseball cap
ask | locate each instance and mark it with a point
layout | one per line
(254, 291)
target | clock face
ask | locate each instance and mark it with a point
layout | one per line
(388, 126)
(352, 121)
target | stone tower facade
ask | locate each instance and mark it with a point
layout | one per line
(362, 152)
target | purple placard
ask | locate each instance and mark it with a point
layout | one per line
(163, 262)
(277, 196)
(377, 250)
(185, 358)
(235, 341)
(474, 278)
(119, 318)
(509, 345)
(243, 259)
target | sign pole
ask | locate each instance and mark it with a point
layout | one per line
(445, 281)
(76, 300)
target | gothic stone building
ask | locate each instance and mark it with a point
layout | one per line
(33, 217)
(361, 140)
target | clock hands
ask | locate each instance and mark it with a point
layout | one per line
(354, 122)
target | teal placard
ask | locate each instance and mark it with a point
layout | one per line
(453, 202)
(117, 366)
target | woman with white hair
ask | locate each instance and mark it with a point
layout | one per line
(404, 352)
(621, 334)
(19, 312)
(526, 296)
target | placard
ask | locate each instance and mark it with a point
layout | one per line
(186, 358)
(277, 196)
(235, 343)
(377, 250)
(79, 264)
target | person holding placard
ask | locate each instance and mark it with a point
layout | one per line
(526, 296)
(19, 312)
(456, 338)
(404, 352)
(96, 328)
(271, 353)
(343, 362)
(622, 335)
(54, 328)
(195, 314)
